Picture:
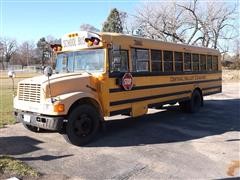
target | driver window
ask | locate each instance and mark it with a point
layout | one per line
(119, 61)
(70, 62)
(64, 63)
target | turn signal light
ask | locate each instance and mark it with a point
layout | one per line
(59, 108)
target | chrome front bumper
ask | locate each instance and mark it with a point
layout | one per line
(41, 121)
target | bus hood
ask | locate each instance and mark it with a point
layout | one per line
(62, 83)
(55, 77)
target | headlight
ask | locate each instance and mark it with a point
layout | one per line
(48, 107)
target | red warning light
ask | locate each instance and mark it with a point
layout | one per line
(92, 41)
(56, 47)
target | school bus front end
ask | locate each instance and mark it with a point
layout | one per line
(45, 105)
(70, 101)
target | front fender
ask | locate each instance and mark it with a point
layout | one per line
(69, 98)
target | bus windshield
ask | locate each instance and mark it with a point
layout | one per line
(81, 61)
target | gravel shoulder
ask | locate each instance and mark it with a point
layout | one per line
(165, 144)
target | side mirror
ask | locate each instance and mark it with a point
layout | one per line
(48, 71)
(11, 74)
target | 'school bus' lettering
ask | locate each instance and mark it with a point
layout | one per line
(106, 74)
(74, 42)
(69, 43)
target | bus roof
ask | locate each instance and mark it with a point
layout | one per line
(150, 43)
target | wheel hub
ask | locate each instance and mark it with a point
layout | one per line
(83, 126)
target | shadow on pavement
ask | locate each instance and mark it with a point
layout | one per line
(229, 140)
(172, 125)
(230, 178)
(43, 158)
(16, 145)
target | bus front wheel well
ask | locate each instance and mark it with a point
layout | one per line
(86, 100)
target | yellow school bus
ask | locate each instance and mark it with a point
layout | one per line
(105, 74)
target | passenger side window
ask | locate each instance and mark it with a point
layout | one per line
(195, 62)
(209, 63)
(215, 63)
(119, 61)
(178, 61)
(203, 62)
(187, 62)
(140, 60)
(156, 57)
(168, 61)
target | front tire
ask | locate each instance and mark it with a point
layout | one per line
(83, 125)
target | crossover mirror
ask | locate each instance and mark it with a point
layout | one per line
(48, 71)
(11, 74)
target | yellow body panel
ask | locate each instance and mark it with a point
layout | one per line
(154, 86)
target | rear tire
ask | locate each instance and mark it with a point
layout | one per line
(193, 105)
(83, 125)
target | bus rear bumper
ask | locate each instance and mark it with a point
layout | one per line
(42, 121)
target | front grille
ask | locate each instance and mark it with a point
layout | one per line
(29, 92)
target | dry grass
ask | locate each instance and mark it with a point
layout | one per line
(9, 166)
(13, 167)
(233, 167)
(230, 75)
(6, 96)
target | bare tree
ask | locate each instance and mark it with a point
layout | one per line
(161, 22)
(25, 53)
(88, 27)
(213, 21)
(2, 55)
(8, 49)
(52, 40)
(221, 26)
(191, 22)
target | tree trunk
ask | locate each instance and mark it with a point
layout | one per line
(3, 68)
(43, 59)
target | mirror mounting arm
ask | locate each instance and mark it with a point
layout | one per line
(48, 71)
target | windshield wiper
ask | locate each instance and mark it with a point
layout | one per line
(87, 72)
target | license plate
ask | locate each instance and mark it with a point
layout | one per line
(27, 118)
